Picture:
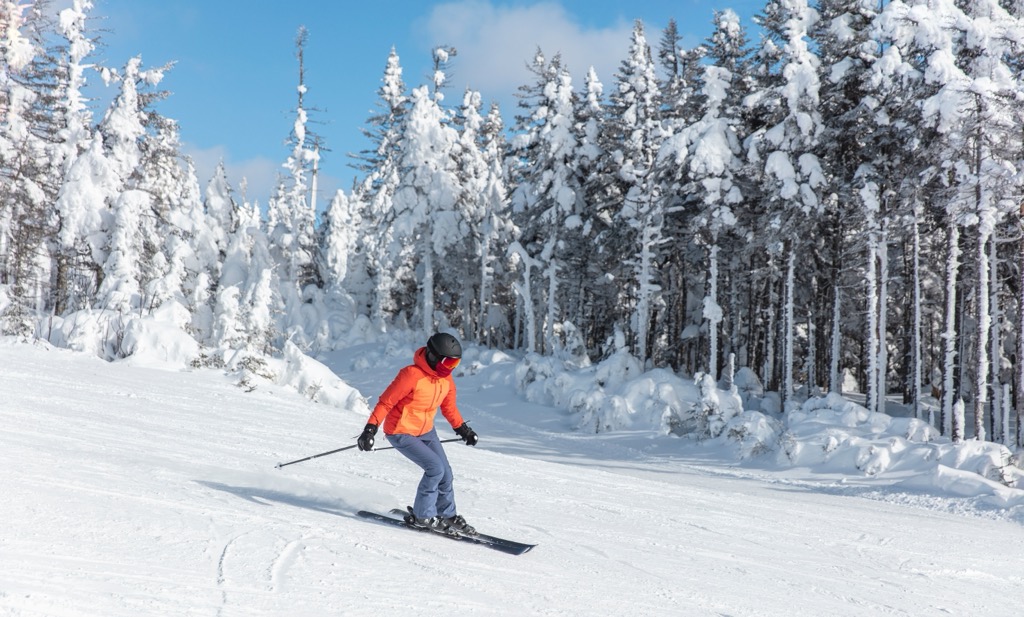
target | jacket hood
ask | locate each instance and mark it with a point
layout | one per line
(420, 359)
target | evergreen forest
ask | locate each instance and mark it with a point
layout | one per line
(832, 200)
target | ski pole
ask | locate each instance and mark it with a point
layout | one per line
(309, 458)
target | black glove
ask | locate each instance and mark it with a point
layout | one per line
(467, 434)
(366, 439)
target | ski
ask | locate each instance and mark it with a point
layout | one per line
(510, 546)
(499, 544)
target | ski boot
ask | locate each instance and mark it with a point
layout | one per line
(432, 523)
(456, 525)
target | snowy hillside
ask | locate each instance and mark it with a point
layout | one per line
(134, 490)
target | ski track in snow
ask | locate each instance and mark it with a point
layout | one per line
(134, 491)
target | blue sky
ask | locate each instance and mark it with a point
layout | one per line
(233, 84)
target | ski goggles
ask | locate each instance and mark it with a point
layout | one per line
(449, 363)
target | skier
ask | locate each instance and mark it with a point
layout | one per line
(407, 409)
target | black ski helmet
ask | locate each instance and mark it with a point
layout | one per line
(444, 345)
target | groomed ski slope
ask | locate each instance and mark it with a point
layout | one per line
(130, 490)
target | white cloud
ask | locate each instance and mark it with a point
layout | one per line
(495, 43)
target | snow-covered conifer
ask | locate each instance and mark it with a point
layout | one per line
(481, 204)
(291, 217)
(632, 138)
(24, 167)
(987, 172)
(248, 291)
(75, 109)
(714, 164)
(852, 143)
(496, 233)
(793, 177)
(380, 162)
(548, 197)
(128, 253)
(338, 248)
(425, 219)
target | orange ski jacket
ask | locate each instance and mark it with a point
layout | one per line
(409, 404)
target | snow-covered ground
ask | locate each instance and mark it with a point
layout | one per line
(130, 489)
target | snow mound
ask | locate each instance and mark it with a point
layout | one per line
(157, 339)
(827, 436)
(297, 371)
(612, 395)
(617, 395)
(833, 435)
(313, 379)
(162, 339)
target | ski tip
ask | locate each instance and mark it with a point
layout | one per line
(278, 466)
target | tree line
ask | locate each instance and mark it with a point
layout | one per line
(833, 201)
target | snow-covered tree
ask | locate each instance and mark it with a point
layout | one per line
(124, 123)
(120, 289)
(248, 291)
(587, 285)
(220, 207)
(290, 214)
(176, 217)
(341, 222)
(632, 138)
(425, 219)
(83, 207)
(24, 166)
(849, 147)
(75, 111)
(793, 177)
(339, 246)
(714, 165)
(127, 255)
(681, 279)
(987, 173)
(482, 208)
(952, 57)
(548, 198)
(377, 191)
(76, 119)
(495, 235)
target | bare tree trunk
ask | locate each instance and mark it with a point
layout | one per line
(1020, 339)
(736, 344)
(812, 341)
(916, 335)
(834, 379)
(711, 310)
(525, 292)
(485, 300)
(729, 374)
(790, 328)
(883, 315)
(428, 287)
(550, 346)
(872, 307)
(995, 345)
(949, 427)
(771, 334)
(981, 359)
